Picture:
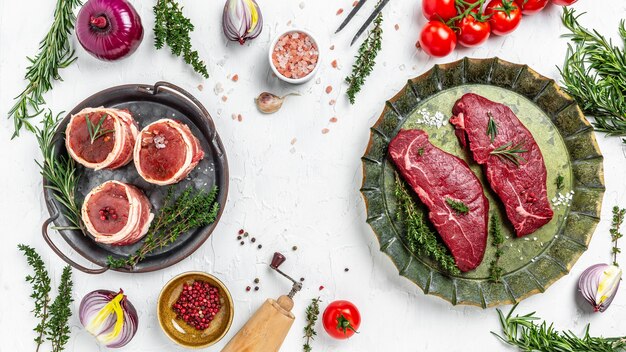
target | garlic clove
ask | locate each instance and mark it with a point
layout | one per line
(269, 103)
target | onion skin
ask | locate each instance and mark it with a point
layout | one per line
(94, 302)
(600, 279)
(109, 29)
(242, 20)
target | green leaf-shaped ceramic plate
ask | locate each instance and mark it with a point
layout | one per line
(569, 147)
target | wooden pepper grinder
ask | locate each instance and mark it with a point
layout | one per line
(266, 330)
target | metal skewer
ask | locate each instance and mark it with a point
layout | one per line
(350, 15)
(369, 20)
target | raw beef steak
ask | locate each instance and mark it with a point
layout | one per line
(519, 178)
(440, 179)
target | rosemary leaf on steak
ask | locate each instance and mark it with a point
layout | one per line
(190, 210)
(559, 182)
(95, 131)
(54, 53)
(616, 223)
(420, 238)
(172, 28)
(58, 328)
(510, 152)
(492, 127)
(312, 313)
(523, 333)
(60, 172)
(497, 239)
(458, 206)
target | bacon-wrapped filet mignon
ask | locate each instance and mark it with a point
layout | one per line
(100, 138)
(166, 151)
(117, 213)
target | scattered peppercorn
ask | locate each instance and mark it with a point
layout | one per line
(241, 243)
(238, 238)
(346, 269)
(241, 232)
(295, 248)
(256, 281)
(301, 279)
(321, 288)
(259, 246)
(248, 288)
(245, 234)
(253, 239)
(256, 288)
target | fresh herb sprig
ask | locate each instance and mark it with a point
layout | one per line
(365, 59)
(616, 223)
(523, 333)
(458, 206)
(60, 172)
(312, 313)
(172, 28)
(192, 209)
(594, 73)
(492, 128)
(54, 53)
(96, 131)
(497, 239)
(53, 318)
(510, 152)
(420, 238)
(559, 182)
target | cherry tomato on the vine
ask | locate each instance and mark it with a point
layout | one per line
(505, 16)
(439, 9)
(531, 7)
(437, 39)
(563, 2)
(341, 319)
(472, 32)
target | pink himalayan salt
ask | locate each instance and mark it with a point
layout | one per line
(295, 55)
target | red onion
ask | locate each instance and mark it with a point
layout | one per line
(242, 20)
(109, 29)
(598, 285)
(109, 316)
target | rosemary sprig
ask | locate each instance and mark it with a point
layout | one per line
(312, 313)
(171, 27)
(420, 238)
(497, 239)
(458, 206)
(510, 152)
(192, 209)
(492, 127)
(95, 131)
(523, 333)
(559, 182)
(54, 53)
(58, 329)
(618, 219)
(60, 172)
(365, 59)
(594, 73)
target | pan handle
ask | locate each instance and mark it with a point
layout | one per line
(55, 249)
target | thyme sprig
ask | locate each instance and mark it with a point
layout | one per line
(497, 239)
(60, 172)
(96, 131)
(492, 127)
(312, 313)
(420, 238)
(54, 53)
(510, 152)
(594, 73)
(365, 59)
(523, 333)
(616, 223)
(53, 318)
(192, 209)
(458, 206)
(172, 28)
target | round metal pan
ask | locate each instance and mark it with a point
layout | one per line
(147, 104)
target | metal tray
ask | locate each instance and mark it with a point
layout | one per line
(147, 104)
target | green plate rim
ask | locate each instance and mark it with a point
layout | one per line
(587, 172)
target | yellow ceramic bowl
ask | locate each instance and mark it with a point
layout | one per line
(179, 331)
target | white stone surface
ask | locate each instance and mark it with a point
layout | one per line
(290, 184)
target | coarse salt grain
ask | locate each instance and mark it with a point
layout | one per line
(329, 89)
(235, 78)
(333, 120)
(334, 64)
(397, 26)
(332, 102)
(563, 199)
(295, 55)
(434, 120)
(339, 12)
(325, 130)
(224, 98)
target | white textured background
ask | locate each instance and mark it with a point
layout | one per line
(290, 184)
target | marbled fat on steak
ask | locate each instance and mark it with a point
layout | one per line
(438, 178)
(522, 188)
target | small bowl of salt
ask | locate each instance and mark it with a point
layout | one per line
(294, 56)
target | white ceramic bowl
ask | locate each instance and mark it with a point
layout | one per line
(294, 80)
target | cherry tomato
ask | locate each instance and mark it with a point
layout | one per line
(531, 7)
(341, 319)
(438, 9)
(472, 32)
(563, 2)
(505, 16)
(437, 39)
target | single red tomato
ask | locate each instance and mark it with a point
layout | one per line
(437, 39)
(472, 32)
(341, 319)
(505, 16)
(563, 2)
(438, 9)
(531, 7)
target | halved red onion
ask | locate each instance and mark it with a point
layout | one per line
(109, 316)
(242, 20)
(111, 148)
(117, 213)
(166, 151)
(599, 284)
